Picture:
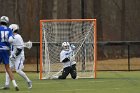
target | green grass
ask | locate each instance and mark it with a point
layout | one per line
(106, 82)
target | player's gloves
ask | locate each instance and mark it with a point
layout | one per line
(13, 57)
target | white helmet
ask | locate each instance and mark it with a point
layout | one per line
(14, 27)
(4, 19)
(66, 45)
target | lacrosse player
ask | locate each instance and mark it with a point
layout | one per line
(17, 56)
(68, 61)
(6, 37)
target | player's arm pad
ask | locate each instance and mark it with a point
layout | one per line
(65, 60)
(18, 51)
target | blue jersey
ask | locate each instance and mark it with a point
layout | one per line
(5, 33)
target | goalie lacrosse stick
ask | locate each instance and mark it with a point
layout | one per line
(82, 42)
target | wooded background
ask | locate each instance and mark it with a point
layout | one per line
(117, 20)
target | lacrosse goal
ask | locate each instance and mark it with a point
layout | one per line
(79, 32)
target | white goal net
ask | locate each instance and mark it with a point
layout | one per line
(80, 33)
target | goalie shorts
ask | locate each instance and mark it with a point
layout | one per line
(69, 70)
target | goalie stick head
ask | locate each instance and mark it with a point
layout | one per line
(14, 27)
(66, 45)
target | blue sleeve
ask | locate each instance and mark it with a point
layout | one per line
(10, 33)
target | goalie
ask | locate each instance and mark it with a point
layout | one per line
(68, 61)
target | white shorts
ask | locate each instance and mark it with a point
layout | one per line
(18, 63)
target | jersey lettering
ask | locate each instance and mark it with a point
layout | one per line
(4, 36)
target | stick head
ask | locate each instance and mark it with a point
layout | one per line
(28, 44)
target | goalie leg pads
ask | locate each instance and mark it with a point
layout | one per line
(65, 73)
(73, 71)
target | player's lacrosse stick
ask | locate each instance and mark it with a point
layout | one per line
(26, 44)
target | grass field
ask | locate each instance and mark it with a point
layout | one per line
(106, 82)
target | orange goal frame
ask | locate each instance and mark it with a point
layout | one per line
(71, 20)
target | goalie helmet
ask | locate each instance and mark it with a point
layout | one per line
(65, 45)
(14, 27)
(4, 19)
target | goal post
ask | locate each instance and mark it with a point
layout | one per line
(79, 32)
